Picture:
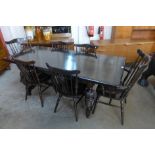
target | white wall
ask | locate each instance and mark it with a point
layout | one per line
(12, 32)
(79, 33)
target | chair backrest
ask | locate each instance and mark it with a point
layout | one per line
(134, 66)
(135, 74)
(59, 46)
(14, 46)
(27, 71)
(87, 49)
(65, 82)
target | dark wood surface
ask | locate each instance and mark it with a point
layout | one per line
(103, 69)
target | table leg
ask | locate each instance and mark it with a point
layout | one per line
(90, 99)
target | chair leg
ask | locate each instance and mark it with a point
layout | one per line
(58, 100)
(122, 112)
(40, 96)
(26, 94)
(75, 109)
(110, 100)
(95, 103)
(125, 100)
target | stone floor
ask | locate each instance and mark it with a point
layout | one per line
(15, 112)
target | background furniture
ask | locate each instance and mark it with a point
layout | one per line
(3, 54)
(69, 42)
(125, 41)
(86, 49)
(45, 35)
(60, 46)
(16, 48)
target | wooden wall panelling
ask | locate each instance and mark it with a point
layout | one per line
(153, 48)
(120, 50)
(132, 50)
(143, 27)
(106, 49)
(121, 32)
(143, 34)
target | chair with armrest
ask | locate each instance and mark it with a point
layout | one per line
(121, 92)
(31, 77)
(66, 84)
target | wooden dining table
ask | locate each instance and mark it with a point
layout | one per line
(102, 69)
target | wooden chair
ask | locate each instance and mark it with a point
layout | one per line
(66, 83)
(32, 77)
(16, 48)
(86, 49)
(59, 46)
(121, 92)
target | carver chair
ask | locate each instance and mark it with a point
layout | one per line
(121, 92)
(32, 77)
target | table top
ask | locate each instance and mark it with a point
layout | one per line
(103, 69)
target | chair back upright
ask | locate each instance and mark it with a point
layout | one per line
(65, 82)
(134, 66)
(14, 46)
(135, 71)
